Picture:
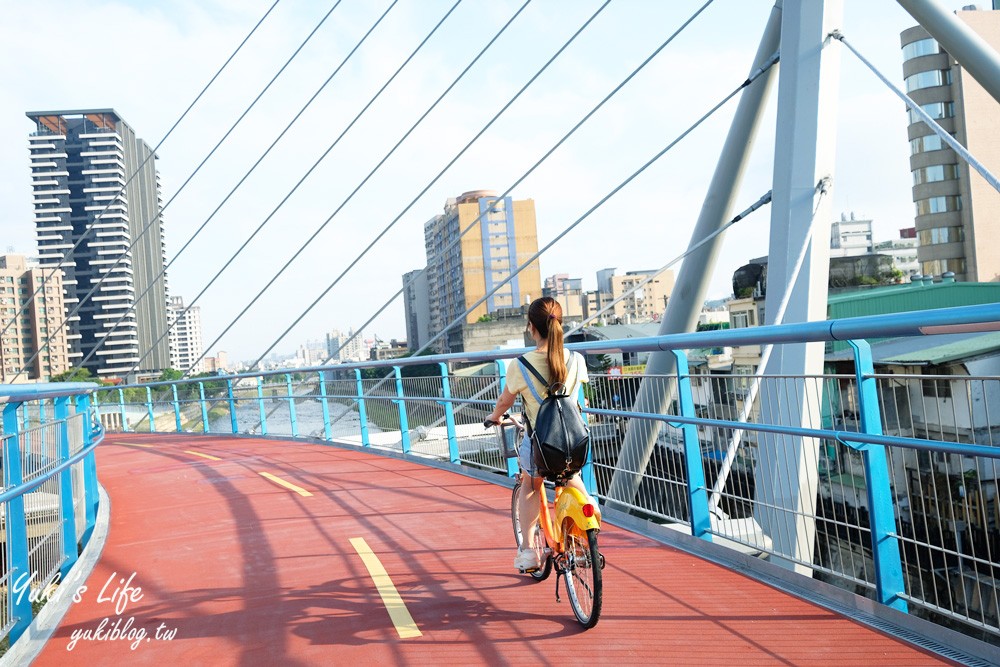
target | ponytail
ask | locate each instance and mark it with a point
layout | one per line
(545, 315)
(557, 362)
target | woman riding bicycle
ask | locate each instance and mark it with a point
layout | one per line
(557, 365)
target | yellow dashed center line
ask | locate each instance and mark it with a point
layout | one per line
(206, 456)
(288, 485)
(394, 604)
(134, 444)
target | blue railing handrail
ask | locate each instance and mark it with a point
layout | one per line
(942, 320)
(45, 390)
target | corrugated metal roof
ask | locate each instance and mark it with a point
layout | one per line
(925, 350)
(906, 298)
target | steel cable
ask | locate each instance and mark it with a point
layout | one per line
(545, 156)
(601, 202)
(106, 273)
(360, 185)
(260, 159)
(45, 278)
(433, 181)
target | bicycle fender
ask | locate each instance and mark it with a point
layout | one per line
(570, 504)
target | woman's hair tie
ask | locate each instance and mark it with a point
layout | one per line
(551, 316)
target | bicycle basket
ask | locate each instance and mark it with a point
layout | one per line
(507, 435)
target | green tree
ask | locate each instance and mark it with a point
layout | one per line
(74, 375)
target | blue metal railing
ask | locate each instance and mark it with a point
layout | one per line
(880, 533)
(52, 461)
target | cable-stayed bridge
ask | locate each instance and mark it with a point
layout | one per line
(878, 531)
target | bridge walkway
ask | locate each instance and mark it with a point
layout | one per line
(245, 568)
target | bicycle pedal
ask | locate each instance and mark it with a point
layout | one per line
(529, 570)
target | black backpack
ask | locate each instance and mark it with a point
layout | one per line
(559, 437)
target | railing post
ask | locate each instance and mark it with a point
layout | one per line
(90, 494)
(362, 411)
(512, 466)
(149, 409)
(291, 405)
(260, 405)
(97, 406)
(41, 420)
(449, 413)
(889, 581)
(327, 430)
(66, 488)
(204, 407)
(177, 408)
(404, 423)
(587, 473)
(232, 406)
(701, 523)
(19, 578)
(121, 406)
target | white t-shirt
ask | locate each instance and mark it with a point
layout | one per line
(518, 378)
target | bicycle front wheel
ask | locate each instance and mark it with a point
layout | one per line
(537, 541)
(583, 573)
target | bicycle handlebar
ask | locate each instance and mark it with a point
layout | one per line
(506, 420)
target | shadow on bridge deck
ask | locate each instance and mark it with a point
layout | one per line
(250, 572)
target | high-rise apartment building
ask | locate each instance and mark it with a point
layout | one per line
(186, 341)
(418, 308)
(24, 334)
(93, 177)
(501, 236)
(957, 214)
(345, 347)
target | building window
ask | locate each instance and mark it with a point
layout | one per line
(926, 144)
(921, 47)
(933, 386)
(938, 235)
(935, 173)
(740, 320)
(937, 77)
(936, 110)
(937, 267)
(938, 204)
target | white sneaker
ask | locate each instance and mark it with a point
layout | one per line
(527, 560)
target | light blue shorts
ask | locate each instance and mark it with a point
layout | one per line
(524, 458)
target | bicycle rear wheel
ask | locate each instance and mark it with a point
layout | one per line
(537, 536)
(583, 573)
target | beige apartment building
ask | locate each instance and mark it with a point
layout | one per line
(497, 236)
(957, 212)
(26, 333)
(645, 304)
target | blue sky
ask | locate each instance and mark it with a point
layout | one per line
(148, 59)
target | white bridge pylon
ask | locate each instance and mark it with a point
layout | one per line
(803, 178)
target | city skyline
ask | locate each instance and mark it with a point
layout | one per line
(648, 223)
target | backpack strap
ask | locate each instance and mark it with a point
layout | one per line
(534, 371)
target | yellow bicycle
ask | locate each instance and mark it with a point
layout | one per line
(565, 537)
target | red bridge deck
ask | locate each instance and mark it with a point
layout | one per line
(247, 571)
